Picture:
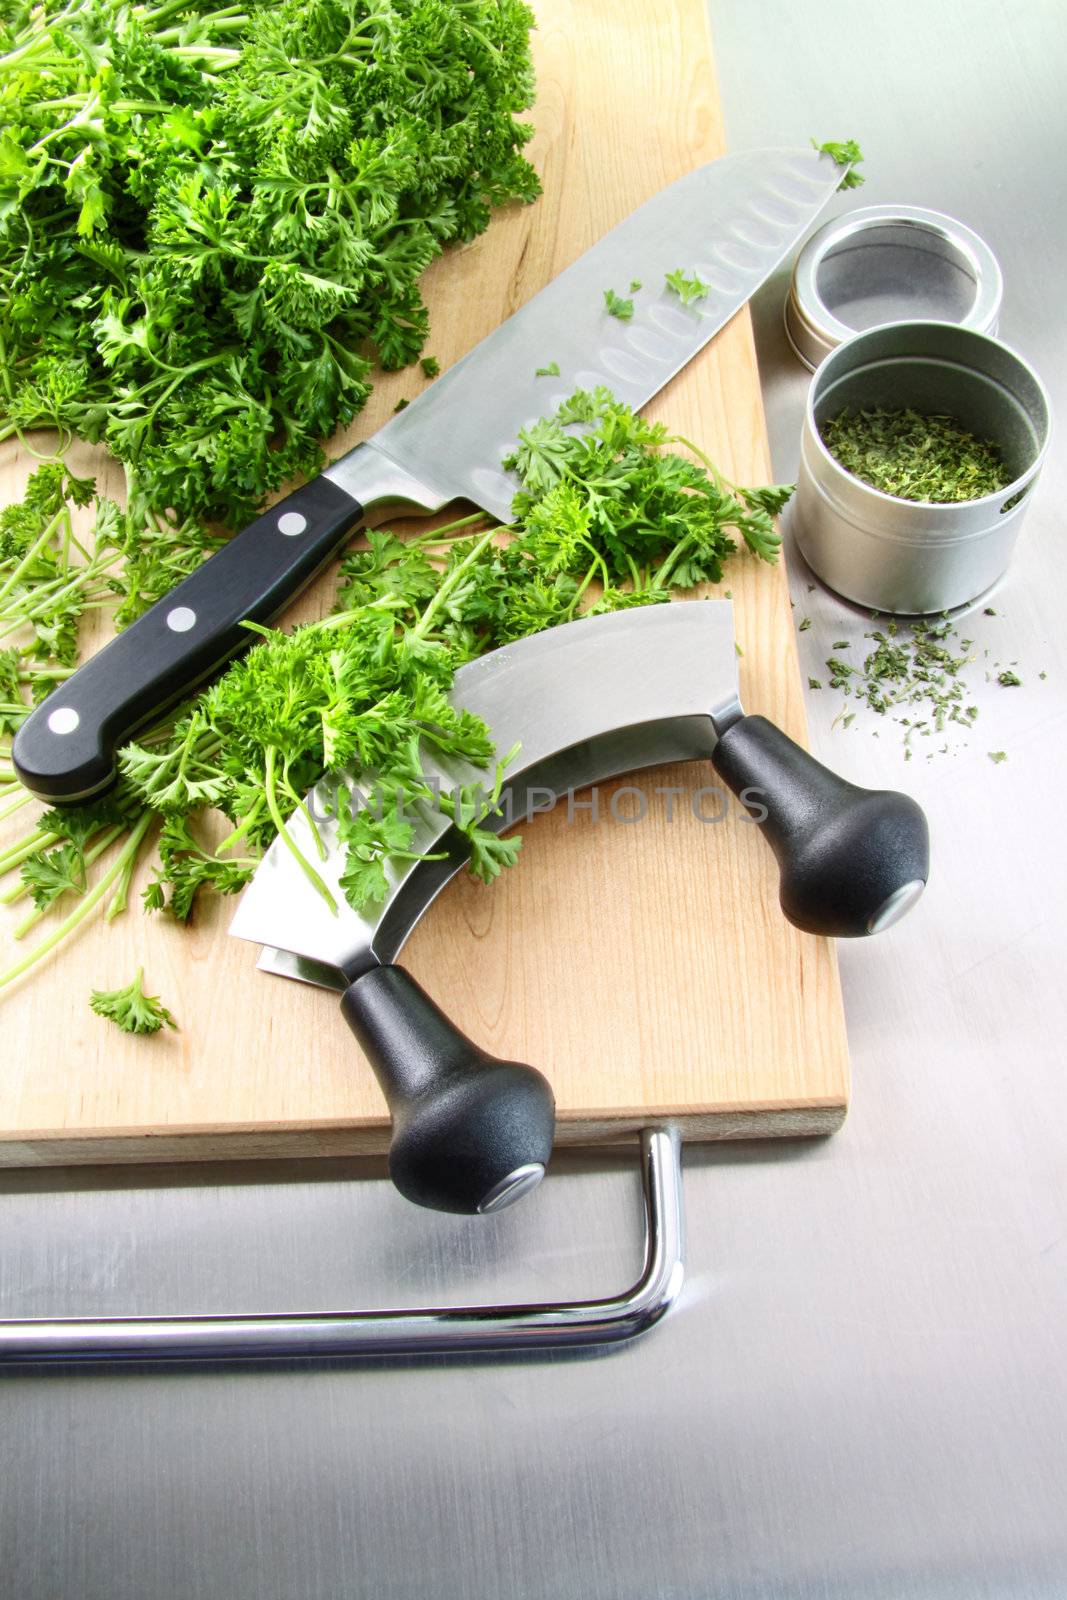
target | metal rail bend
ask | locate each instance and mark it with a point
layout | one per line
(355, 1334)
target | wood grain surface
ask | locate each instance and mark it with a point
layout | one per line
(645, 967)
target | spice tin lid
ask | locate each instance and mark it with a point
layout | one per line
(889, 264)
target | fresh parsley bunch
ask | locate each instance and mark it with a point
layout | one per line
(213, 217)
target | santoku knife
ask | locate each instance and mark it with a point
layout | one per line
(732, 222)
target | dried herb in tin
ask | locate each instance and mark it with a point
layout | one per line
(914, 457)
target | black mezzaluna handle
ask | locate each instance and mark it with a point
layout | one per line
(852, 860)
(65, 751)
(470, 1133)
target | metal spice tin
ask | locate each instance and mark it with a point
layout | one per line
(886, 264)
(913, 557)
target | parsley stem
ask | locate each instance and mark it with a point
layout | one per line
(5, 374)
(341, 619)
(421, 628)
(706, 462)
(660, 576)
(279, 822)
(31, 554)
(446, 534)
(38, 912)
(52, 600)
(27, 847)
(582, 587)
(23, 799)
(216, 56)
(251, 817)
(117, 903)
(87, 903)
(320, 846)
(217, 24)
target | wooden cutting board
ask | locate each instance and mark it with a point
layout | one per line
(646, 968)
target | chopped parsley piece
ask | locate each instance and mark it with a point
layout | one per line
(131, 1009)
(551, 371)
(845, 153)
(430, 366)
(616, 306)
(687, 289)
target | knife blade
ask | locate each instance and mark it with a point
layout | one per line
(732, 221)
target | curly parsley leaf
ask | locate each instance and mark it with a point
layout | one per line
(131, 1009)
(53, 873)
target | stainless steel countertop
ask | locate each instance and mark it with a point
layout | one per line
(863, 1393)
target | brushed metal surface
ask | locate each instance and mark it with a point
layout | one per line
(732, 221)
(862, 1394)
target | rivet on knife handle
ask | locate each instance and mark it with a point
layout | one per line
(65, 751)
(852, 860)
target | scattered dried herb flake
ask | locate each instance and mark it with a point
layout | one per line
(913, 672)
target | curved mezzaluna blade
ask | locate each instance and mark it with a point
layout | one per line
(732, 221)
(585, 701)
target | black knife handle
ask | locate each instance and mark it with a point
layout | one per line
(852, 860)
(65, 750)
(470, 1132)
